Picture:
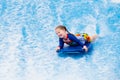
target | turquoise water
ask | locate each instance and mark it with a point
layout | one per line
(28, 40)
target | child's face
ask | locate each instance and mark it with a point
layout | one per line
(61, 33)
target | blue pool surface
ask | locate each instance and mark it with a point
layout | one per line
(28, 39)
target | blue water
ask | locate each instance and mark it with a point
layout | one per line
(28, 40)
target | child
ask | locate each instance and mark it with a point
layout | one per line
(66, 37)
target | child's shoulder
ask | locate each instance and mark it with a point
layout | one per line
(70, 34)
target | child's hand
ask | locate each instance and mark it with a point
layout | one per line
(85, 47)
(58, 48)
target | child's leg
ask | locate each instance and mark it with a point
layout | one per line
(93, 38)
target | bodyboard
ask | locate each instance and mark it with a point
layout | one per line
(73, 49)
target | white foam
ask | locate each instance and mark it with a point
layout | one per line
(115, 1)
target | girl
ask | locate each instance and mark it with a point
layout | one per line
(66, 37)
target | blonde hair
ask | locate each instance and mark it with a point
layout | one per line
(61, 27)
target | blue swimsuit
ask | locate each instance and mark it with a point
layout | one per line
(72, 41)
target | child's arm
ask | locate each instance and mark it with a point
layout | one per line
(74, 38)
(61, 43)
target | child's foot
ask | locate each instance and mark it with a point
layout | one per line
(93, 38)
